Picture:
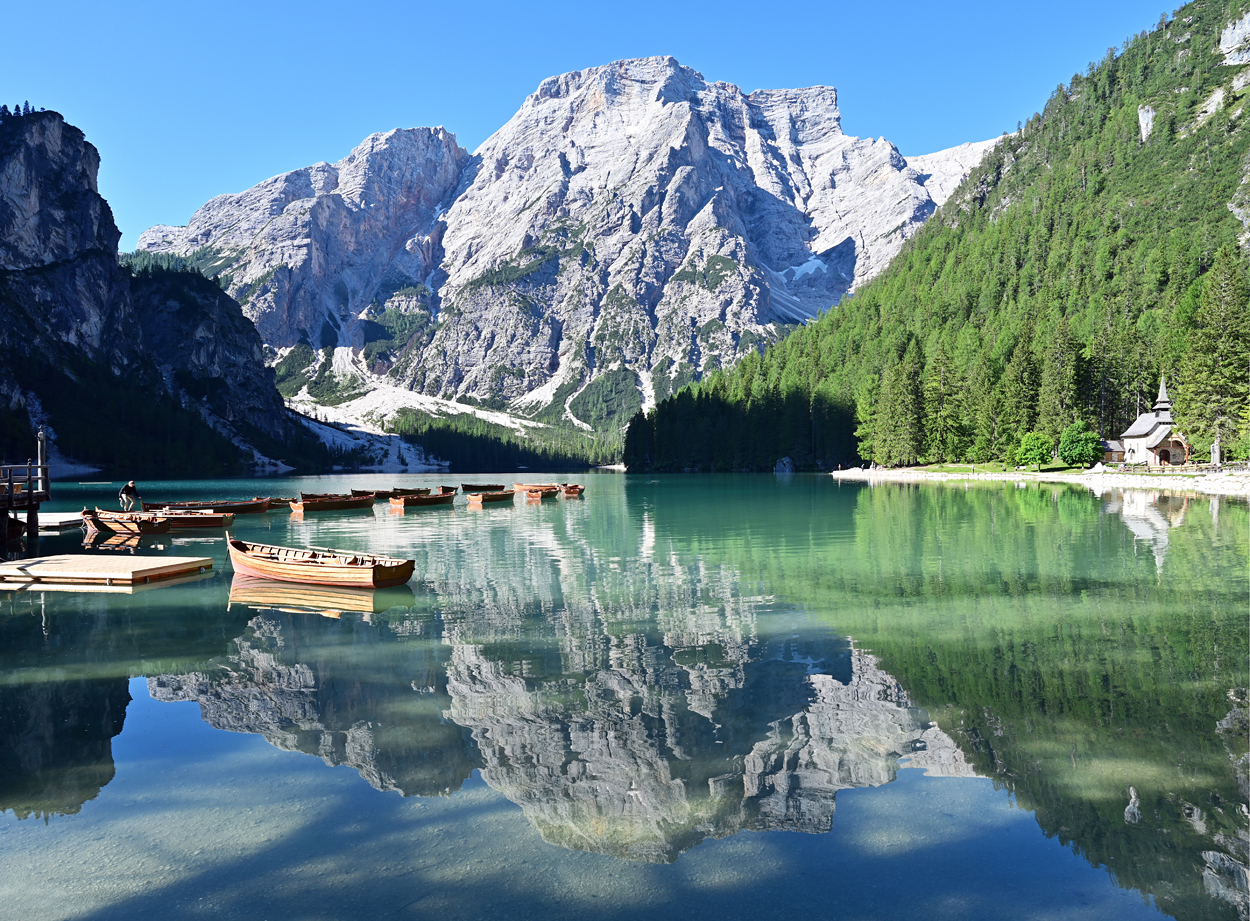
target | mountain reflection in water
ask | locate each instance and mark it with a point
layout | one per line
(636, 739)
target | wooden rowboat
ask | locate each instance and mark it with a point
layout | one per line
(184, 519)
(525, 486)
(124, 522)
(535, 492)
(476, 499)
(450, 489)
(332, 503)
(479, 487)
(445, 498)
(423, 491)
(280, 502)
(245, 507)
(572, 490)
(316, 566)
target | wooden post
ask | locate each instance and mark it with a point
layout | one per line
(41, 458)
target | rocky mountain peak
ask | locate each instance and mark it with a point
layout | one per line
(631, 227)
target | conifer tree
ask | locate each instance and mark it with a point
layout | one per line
(898, 424)
(1056, 400)
(942, 408)
(1213, 386)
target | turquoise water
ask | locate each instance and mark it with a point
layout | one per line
(691, 696)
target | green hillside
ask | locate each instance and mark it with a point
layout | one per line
(1084, 257)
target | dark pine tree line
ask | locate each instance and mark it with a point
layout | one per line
(1083, 259)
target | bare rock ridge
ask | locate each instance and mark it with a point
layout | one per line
(630, 228)
(65, 298)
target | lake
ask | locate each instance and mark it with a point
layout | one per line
(688, 697)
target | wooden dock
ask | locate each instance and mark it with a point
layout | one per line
(85, 570)
(60, 521)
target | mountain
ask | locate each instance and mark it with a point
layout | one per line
(630, 228)
(1096, 249)
(158, 369)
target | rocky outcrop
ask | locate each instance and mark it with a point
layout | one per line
(60, 282)
(307, 251)
(65, 299)
(630, 228)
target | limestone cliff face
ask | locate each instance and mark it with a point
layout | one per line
(631, 220)
(307, 251)
(64, 296)
(59, 276)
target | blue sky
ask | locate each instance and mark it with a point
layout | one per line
(189, 100)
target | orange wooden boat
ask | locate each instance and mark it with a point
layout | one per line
(528, 486)
(467, 488)
(276, 502)
(450, 489)
(316, 566)
(535, 492)
(124, 522)
(476, 499)
(572, 490)
(184, 519)
(442, 498)
(331, 503)
(234, 506)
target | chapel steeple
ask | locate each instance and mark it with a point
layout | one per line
(1163, 404)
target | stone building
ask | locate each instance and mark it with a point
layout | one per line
(1150, 439)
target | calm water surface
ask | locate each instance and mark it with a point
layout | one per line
(694, 697)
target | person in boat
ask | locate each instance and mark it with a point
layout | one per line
(128, 496)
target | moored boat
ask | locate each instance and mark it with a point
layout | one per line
(184, 519)
(476, 499)
(572, 490)
(315, 566)
(423, 491)
(331, 503)
(124, 522)
(280, 502)
(235, 506)
(443, 498)
(542, 492)
(467, 488)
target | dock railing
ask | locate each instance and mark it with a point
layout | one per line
(23, 485)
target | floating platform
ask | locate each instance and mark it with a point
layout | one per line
(59, 521)
(92, 571)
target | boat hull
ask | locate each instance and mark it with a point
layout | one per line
(125, 522)
(478, 498)
(333, 505)
(289, 564)
(419, 501)
(247, 507)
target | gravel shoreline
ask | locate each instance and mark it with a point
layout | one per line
(1215, 484)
